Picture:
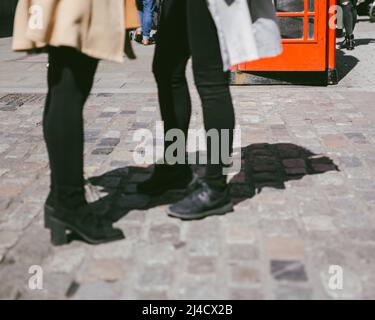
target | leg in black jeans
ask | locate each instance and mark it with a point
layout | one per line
(190, 25)
(350, 19)
(193, 31)
(349, 15)
(70, 78)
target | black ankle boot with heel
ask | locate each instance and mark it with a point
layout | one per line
(74, 216)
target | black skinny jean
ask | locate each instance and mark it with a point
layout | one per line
(187, 29)
(350, 16)
(70, 79)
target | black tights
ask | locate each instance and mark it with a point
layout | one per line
(349, 15)
(187, 29)
(70, 79)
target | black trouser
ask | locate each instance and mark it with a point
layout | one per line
(350, 16)
(70, 79)
(187, 29)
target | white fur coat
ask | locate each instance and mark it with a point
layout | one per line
(248, 30)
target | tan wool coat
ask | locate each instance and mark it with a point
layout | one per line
(95, 27)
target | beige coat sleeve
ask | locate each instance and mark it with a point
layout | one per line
(95, 27)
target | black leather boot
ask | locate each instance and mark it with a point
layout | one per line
(72, 196)
(82, 222)
(67, 213)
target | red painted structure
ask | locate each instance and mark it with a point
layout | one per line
(309, 39)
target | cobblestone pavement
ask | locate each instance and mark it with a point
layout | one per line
(305, 198)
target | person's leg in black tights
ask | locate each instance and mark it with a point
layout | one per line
(171, 56)
(169, 66)
(349, 16)
(187, 29)
(212, 84)
(192, 29)
(349, 19)
(70, 79)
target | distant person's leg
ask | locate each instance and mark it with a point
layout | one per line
(138, 32)
(147, 20)
(349, 18)
(169, 67)
(212, 196)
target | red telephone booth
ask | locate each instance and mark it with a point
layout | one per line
(309, 46)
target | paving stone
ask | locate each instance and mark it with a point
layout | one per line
(244, 275)
(319, 223)
(293, 271)
(8, 239)
(152, 295)
(158, 253)
(238, 293)
(277, 227)
(285, 292)
(242, 252)
(66, 260)
(117, 250)
(351, 162)
(204, 247)
(334, 141)
(240, 234)
(199, 290)
(166, 232)
(108, 270)
(201, 265)
(97, 291)
(109, 142)
(102, 151)
(155, 277)
(282, 248)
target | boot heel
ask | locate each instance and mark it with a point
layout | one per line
(48, 211)
(59, 236)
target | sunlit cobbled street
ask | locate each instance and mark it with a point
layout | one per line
(305, 203)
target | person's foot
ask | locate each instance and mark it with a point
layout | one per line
(148, 41)
(351, 43)
(104, 207)
(202, 203)
(82, 222)
(167, 178)
(138, 37)
(348, 43)
(153, 38)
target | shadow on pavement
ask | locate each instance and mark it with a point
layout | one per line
(345, 63)
(364, 42)
(264, 166)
